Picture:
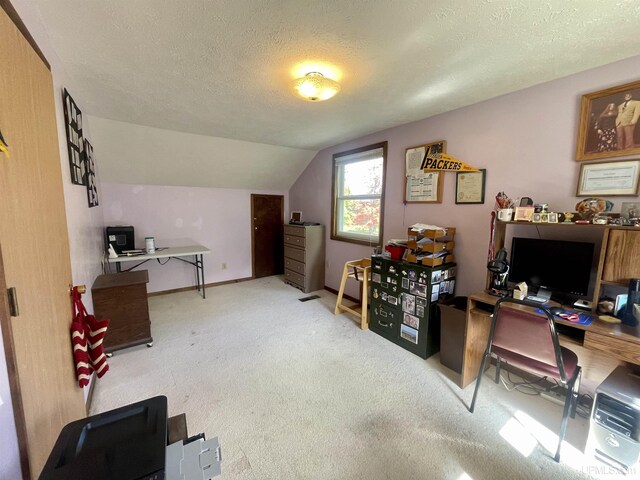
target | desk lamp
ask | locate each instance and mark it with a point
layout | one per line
(499, 268)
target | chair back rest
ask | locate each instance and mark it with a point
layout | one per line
(526, 333)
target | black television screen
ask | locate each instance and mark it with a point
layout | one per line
(562, 267)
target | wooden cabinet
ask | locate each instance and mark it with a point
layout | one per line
(122, 299)
(304, 257)
(619, 258)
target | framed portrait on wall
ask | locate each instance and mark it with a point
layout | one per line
(608, 120)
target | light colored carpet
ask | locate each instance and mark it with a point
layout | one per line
(294, 392)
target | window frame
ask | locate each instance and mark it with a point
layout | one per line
(334, 205)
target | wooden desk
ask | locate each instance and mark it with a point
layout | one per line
(172, 252)
(615, 340)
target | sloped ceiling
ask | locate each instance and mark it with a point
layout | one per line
(223, 68)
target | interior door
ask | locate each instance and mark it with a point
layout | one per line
(35, 249)
(267, 212)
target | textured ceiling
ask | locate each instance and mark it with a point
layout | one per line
(223, 67)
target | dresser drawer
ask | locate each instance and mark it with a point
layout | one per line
(295, 231)
(294, 253)
(297, 267)
(293, 240)
(294, 277)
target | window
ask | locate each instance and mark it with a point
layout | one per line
(358, 194)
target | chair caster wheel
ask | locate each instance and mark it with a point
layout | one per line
(150, 344)
(109, 355)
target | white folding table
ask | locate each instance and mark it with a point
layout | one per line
(195, 251)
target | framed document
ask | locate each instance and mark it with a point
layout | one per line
(421, 186)
(470, 186)
(609, 178)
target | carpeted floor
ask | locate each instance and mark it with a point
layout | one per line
(294, 392)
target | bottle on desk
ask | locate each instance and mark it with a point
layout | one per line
(150, 244)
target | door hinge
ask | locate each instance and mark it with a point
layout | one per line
(14, 310)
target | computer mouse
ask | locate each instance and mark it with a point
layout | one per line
(556, 310)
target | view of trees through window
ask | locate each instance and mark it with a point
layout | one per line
(360, 213)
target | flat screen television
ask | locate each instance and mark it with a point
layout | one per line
(556, 268)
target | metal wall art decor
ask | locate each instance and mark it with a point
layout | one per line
(75, 140)
(92, 188)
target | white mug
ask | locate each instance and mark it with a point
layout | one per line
(505, 214)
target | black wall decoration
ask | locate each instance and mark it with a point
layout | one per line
(88, 162)
(75, 141)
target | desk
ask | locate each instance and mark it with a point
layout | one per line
(196, 251)
(616, 340)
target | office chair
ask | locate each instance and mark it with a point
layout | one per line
(528, 341)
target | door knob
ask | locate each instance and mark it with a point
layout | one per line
(81, 288)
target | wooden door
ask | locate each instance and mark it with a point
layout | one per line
(35, 249)
(267, 212)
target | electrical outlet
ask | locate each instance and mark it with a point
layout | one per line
(224, 265)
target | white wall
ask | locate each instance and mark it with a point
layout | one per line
(218, 218)
(152, 156)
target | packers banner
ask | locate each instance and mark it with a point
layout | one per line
(446, 163)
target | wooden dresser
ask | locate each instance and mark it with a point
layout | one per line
(304, 257)
(122, 299)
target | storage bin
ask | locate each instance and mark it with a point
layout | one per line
(453, 314)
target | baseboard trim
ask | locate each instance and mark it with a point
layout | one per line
(348, 297)
(208, 285)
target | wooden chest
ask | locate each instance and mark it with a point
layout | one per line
(122, 299)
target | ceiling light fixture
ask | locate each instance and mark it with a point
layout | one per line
(315, 87)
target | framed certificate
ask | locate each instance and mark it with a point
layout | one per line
(470, 186)
(609, 178)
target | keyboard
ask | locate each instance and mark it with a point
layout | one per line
(533, 298)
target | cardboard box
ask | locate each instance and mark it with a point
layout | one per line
(520, 291)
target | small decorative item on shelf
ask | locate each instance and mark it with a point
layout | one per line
(588, 207)
(541, 208)
(553, 217)
(524, 214)
(567, 217)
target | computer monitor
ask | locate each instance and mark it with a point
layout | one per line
(557, 268)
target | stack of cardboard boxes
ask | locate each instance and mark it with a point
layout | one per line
(431, 247)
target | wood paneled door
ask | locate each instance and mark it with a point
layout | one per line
(35, 251)
(267, 213)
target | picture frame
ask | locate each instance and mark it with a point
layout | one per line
(544, 217)
(75, 139)
(470, 187)
(612, 178)
(90, 174)
(421, 187)
(524, 214)
(537, 217)
(608, 121)
(630, 210)
(553, 217)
